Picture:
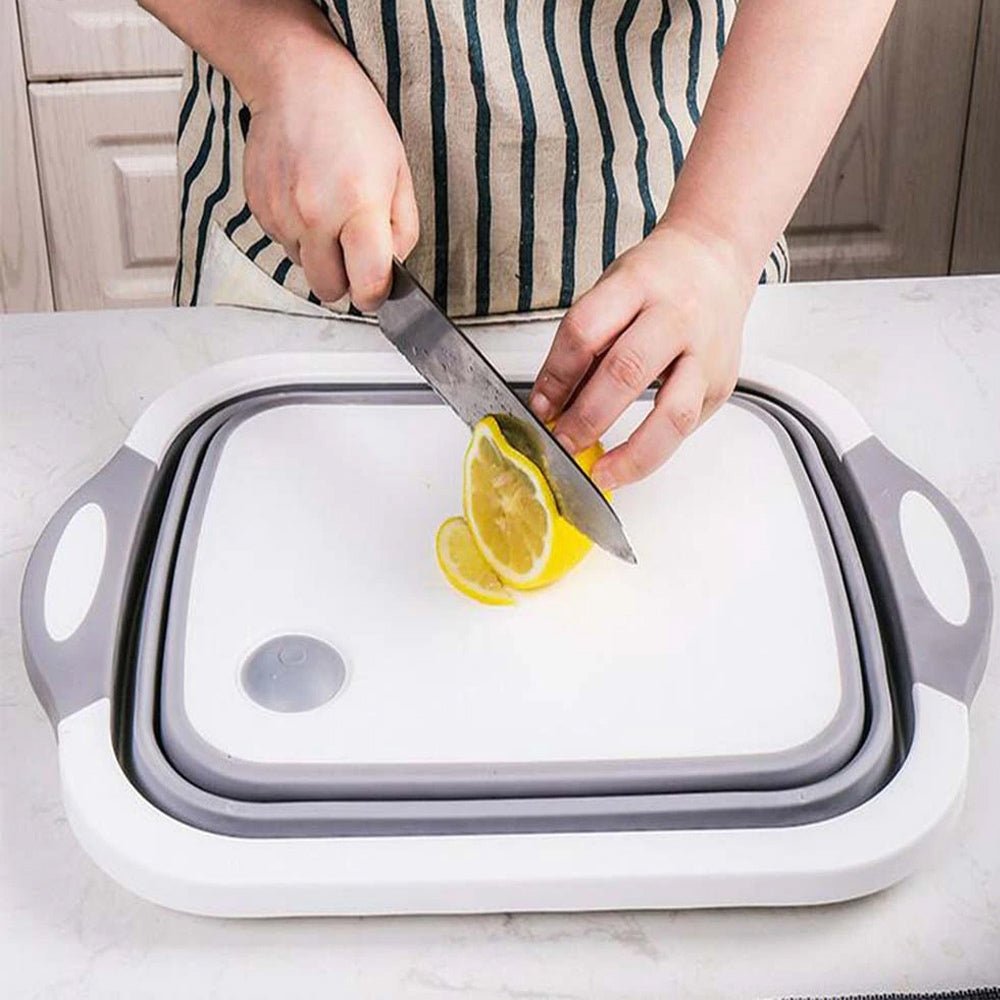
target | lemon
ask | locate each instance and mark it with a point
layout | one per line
(464, 566)
(512, 513)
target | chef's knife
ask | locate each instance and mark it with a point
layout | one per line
(474, 389)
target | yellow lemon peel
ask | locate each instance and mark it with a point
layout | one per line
(512, 513)
(464, 566)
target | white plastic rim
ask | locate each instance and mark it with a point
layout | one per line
(850, 855)
(809, 395)
(934, 557)
(75, 572)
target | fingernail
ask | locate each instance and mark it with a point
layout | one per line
(567, 442)
(604, 480)
(541, 405)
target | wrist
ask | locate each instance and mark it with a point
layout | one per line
(277, 65)
(724, 249)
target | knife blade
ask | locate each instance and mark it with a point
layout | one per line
(462, 376)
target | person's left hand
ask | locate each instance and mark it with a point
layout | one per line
(671, 308)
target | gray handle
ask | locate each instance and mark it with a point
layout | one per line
(70, 674)
(945, 656)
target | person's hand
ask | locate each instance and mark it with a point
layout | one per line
(671, 308)
(326, 176)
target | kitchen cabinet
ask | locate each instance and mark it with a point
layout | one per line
(102, 81)
(910, 184)
(884, 201)
(108, 166)
(977, 229)
(80, 39)
(24, 265)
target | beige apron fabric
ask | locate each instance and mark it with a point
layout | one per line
(629, 135)
(229, 279)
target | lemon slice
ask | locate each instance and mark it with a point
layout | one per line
(512, 513)
(464, 566)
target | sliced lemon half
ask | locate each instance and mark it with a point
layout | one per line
(464, 566)
(512, 513)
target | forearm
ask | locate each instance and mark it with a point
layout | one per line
(250, 41)
(785, 79)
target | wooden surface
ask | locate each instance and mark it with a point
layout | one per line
(884, 200)
(75, 39)
(108, 168)
(977, 227)
(24, 269)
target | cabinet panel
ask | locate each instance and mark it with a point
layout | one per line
(108, 168)
(883, 202)
(977, 228)
(24, 268)
(90, 38)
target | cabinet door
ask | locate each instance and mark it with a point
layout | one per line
(90, 38)
(977, 228)
(884, 200)
(108, 165)
(24, 267)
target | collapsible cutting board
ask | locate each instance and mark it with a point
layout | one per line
(268, 699)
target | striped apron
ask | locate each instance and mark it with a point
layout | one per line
(543, 138)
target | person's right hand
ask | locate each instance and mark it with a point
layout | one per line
(325, 173)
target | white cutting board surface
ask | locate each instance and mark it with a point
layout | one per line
(321, 520)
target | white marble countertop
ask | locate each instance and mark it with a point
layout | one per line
(920, 359)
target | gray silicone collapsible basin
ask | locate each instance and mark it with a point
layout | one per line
(191, 780)
(221, 773)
